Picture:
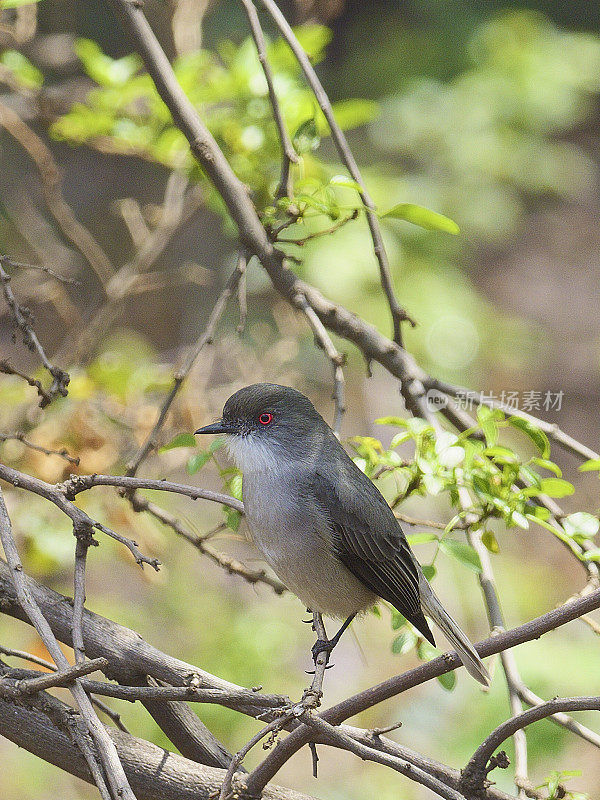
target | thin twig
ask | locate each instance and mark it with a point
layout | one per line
(399, 315)
(81, 483)
(58, 496)
(51, 179)
(9, 262)
(275, 725)
(337, 359)
(333, 734)
(60, 378)
(288, 154)
(20, 437)
(182, 373)
(317, 234)
(49, 680)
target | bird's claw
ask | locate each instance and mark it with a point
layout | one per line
(322, 646)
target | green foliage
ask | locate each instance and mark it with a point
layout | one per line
(22, 70)
(498, 483)
(554, 784)
(230, 91)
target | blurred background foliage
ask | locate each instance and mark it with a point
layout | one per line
(486, 112)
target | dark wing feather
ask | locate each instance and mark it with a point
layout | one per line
(368, 539)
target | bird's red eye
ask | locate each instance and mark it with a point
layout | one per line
(265, 418)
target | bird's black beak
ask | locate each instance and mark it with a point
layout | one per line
(217, 427)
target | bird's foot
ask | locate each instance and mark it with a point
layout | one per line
(323, 646)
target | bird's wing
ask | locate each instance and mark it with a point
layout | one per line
(369, 541)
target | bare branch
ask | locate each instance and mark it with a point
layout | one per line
(60, 378)
(337, 359)
(74, 231)
(475, 773)
(182, 373)
(20, 437)
(415, 677)
(106, 750)
(9, 262)
(288, 154)
(61, 677)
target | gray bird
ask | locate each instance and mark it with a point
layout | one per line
(320, 523)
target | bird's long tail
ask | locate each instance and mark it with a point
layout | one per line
(457, 637)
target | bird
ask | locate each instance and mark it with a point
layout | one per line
(321, 523)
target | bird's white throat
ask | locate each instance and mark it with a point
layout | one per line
(252, 455)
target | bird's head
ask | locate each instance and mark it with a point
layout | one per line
(265, 422)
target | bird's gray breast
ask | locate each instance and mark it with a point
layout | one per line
(293, 534)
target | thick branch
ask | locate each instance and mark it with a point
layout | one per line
(154, 773)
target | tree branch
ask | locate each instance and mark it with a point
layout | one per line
(474, 774)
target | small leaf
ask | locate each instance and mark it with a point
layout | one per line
(306, 137)
(421, 538)
(345, 182)
(418, 215)
(232, 518)
(537, 436)
(590, 466)
(488, 419)
(398, 620)
(181, 440)
(197, 461)
(550, 465)
(556, 487)
(581, 524)
(428, 571)
(404, 643)
(235, 486)
(501, 454)
(462, 552)
(448, 680)
(426, 651)
(376, 611)
(489, 540)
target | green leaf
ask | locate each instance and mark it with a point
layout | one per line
(448, 680)
(197, 461)
(556, 487)
(421, 538)
(549, 465)
(537, 436)
(501, 454)
(398, 620)
(232, 518)
(418, 215)
(404, 643)
(590, 466)
(17, 3)
(345, 182)
(488, 419)
(181, 440)
(24, 71)
(581, 524)
(235, 486)
(216, 444)
(462, 552)
(489, 540)
(426, 651)
(306, 137)
(428, 571)
(104, 70)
